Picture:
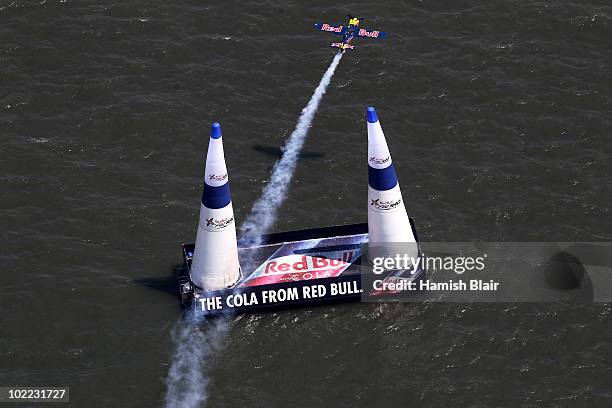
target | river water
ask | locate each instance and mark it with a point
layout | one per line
(497, 115)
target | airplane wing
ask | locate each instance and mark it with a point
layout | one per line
(339, 30)
(371, 34)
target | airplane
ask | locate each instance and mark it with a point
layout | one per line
(349, 32)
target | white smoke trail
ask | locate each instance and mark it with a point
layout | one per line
(263, 213)
(195, 341)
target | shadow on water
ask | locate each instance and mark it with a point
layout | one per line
(167, 284)
(277, 152)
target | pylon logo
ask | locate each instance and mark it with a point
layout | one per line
(218, 224)
(379, 161)
(385, 205)
(215, 177)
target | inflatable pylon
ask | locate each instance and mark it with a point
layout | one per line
(215, 263)
(388, 221)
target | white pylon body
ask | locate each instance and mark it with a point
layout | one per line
(215, 262)
(388, 221)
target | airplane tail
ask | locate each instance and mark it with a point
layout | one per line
(343, 46)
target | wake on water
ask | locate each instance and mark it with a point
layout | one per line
(195, 340)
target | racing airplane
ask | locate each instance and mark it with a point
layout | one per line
(349, 32)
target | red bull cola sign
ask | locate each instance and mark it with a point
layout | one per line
(291, 263)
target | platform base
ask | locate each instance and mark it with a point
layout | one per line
(297, 268)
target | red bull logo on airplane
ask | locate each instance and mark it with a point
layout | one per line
(330, 28)
(370, 34)
(349, 32)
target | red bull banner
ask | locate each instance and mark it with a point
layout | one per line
(308, 260)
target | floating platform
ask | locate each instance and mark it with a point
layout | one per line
(297, 268)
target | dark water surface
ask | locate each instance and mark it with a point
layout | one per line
(498, 116)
